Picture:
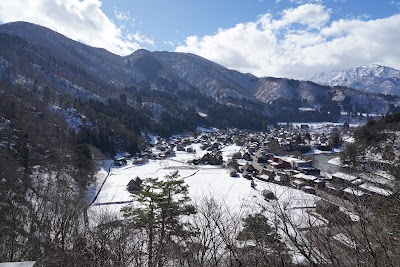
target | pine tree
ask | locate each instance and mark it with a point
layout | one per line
(160, 206)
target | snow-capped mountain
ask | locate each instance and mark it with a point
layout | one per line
(371, 78)
(36, 58)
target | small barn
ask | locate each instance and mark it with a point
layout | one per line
(120, 162)
(134, 185)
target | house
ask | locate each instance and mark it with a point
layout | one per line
(343, 179)
(299, 163)
(180, 148)
(249, 168)
(134, 185)
(353, 193)
(232, 173)
(170, 153)
(246, 156)
(127, 156)
(304, 126)
(120, 161)
(308, 189)
(298, 184)
(371, 188)
(309, 170)
(280, 163)
(306, 179)
(142, 160)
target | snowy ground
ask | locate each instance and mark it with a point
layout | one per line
(234, 193)
(17, 264)
(102, 173)
(205, 182)
(316, 151)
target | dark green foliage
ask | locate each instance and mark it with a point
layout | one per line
(161, 205)
(372, 137)
(84, 165)
(232, 163)
(287, 110)
(335, 139)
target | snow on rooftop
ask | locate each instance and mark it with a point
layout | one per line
(335, 161)
(18, 264)
(344, 176)
(305, 177)
(354, 191)
(206, 130)
(375, 189)
(201, 114)
(344, 239)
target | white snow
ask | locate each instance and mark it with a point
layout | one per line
(74, 119)
(375, 189)
(101, 175)
(344, 239)
(201, 114)
(206, 130)
(335, 161)
(210, 181)
(18, 264)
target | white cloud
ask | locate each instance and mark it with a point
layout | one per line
(311, 15)
(81, 20)
(140, 38)
(302, 2)
(170, 43)
(123, 16)
(396, 3)
(302, 41)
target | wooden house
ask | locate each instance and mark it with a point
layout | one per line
(343, 179)
(249, 168)
(120, 161)
(134, 185)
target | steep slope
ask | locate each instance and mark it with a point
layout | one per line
(269, 89)
(167, 84)
(370, 78)
(61, 63)
(211, 78)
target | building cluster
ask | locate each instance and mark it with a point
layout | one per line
(258, 160)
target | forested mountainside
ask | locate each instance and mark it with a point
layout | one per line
(165, 84)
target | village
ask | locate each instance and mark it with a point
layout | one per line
(270, 169)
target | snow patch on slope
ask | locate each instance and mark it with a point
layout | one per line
(371, 78)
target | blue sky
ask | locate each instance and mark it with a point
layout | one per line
(174, 20)
(280, 38)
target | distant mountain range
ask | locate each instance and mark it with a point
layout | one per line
(370, 78)
(36, 58)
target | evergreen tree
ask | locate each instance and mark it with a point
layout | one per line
(158, 214)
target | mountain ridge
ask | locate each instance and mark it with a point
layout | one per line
(44, 58)
(372, 78)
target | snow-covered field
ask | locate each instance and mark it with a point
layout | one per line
(235, 193)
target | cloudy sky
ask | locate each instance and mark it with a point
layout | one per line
(281, 38)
